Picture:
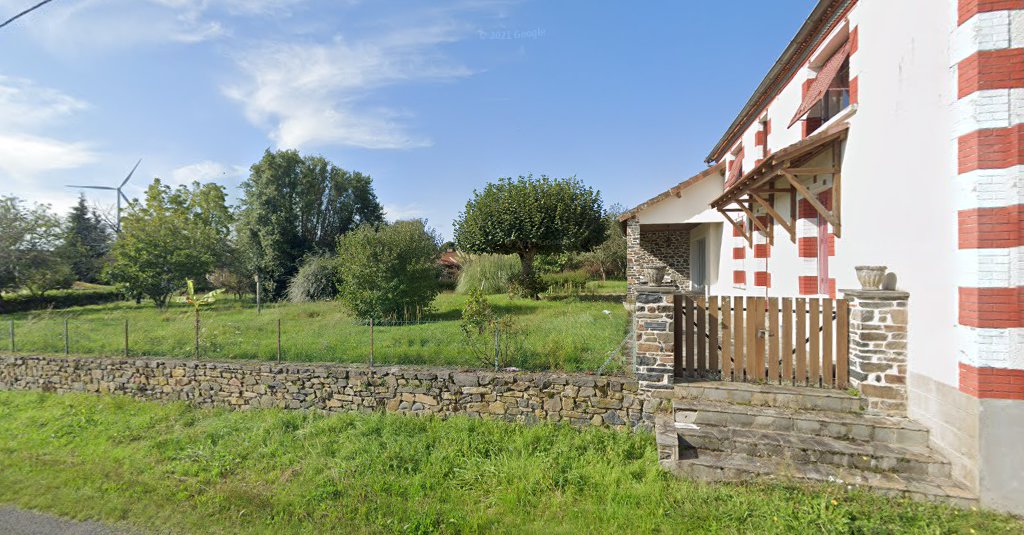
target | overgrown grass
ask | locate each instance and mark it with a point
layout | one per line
(569, 334)
(172, 467)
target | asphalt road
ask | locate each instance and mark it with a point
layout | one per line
(15, 521)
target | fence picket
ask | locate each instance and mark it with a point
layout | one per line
(801, 341)
(738, 332)
(713, 317)
(726, 330)
(752, 339)
(787, 341)
(772, 339)
(702, 332)
(842, 344)
(760, 339)
(827, 369)
(814, 347)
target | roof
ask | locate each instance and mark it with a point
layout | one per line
(801, 148)
(819, 23)
(674, 190)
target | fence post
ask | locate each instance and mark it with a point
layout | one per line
(371, 342)
(497, 347)
(126, 337)
(67, 345)
(12, 336)
(279, 340)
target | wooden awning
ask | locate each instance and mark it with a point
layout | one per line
(755, 190)
(822, 82)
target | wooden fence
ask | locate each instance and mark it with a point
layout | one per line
(779, 340)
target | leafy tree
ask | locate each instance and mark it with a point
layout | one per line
(295, 205)
(609, 258)
(176, 235)
(389, 272)
(531, 216)
(86, 242)
(29, 239)
(197, 303)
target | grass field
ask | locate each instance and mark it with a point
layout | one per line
(169, 466)
(569, 334)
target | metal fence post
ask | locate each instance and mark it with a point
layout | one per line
(371, 342)
(126, 337)
(67, 344)
(497, 348)
(12, 336)
(279, 340)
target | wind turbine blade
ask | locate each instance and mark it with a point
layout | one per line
(125, 197)
(127, 178)
(90, 187)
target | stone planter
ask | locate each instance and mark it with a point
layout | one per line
(655, 274)
(870, 277)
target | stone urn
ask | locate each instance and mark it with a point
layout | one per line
(655, 274)
(870, 277)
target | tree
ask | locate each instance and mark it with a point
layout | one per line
(86, 242)
(389, 272)
(176, 235)
(530, 216)
(293, 206)
(29, 239)
(609, 258)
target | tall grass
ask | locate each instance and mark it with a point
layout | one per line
(490, 273)
(173, 468)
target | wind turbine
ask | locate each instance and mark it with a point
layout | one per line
(120, 194)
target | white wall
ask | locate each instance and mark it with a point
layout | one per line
(693, 206)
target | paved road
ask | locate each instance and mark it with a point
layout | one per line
(20, 522)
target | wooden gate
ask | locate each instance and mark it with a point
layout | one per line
(778, 340)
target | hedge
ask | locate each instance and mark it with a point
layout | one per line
(58, 299)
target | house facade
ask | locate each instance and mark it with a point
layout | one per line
(891, 134)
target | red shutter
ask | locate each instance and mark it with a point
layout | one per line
(824, 79)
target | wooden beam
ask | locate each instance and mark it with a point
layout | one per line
(790, 228)
(754, 219)
(837, 189)
(739, 227)
(811, 170)
(810, 198)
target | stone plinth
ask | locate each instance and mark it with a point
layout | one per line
(878, 347)
(655, 346)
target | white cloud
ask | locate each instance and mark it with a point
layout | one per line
(317, 94)
(396, 212)
(206, 171)
(25, 109)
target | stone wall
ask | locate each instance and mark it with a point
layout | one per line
(878, 347)
(521, 397)
(669, 247)
(654, 363)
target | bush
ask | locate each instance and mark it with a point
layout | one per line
(390, 272)
(317, 280)
(58, 299)
(567, 282)
(491, 339)
(489, 273)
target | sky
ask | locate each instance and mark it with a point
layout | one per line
(431, 99)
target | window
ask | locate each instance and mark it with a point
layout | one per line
(836, 98)
(827, 93)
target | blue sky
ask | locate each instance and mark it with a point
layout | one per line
(432, 99)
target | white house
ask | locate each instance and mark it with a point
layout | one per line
(887, 133)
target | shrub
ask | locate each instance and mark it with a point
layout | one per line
(58, 299)
(489, 273)
(491, 339)
(317, 280)
(389, 272)
(567, 282)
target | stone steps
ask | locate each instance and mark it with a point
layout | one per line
(859, 426)
(721, 431)
(724, 466)
(802, 448)
(763, 395)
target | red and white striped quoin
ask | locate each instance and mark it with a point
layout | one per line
(988, 59)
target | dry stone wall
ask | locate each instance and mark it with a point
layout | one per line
(580, 400)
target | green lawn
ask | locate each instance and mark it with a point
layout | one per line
(569, 333)
(170, 466)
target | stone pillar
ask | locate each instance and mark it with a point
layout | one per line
(878, 347)
(654, 315)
